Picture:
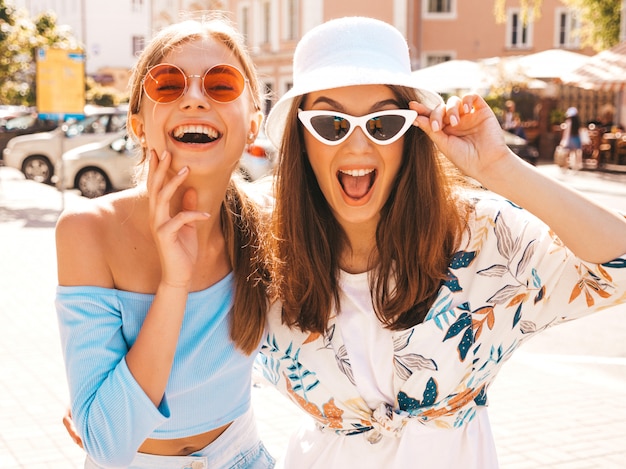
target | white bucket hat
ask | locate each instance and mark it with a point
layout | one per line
(345, 52)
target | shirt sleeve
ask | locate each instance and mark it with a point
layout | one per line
(538, 280)
(111, 412)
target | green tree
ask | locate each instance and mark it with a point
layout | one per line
(600, 19)
(20, 37)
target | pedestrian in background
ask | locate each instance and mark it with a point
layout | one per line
(572, 138)
(161, 299)
(512, 122)
(404, 289)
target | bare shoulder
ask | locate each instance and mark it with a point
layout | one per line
(84, 234)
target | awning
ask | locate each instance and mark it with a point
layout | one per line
(549, 64)
(455, 76)
(603, 71)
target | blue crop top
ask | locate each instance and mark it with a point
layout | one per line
(209, 385)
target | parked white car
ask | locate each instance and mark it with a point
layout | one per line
(111, 164)
(37, 154)
(258, 158)
(101, 167)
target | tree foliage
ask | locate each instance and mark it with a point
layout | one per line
(600, 19)
(20, 37)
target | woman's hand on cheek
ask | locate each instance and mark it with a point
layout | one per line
(175, 235)
(465, 130)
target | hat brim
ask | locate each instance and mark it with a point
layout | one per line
(330, 78)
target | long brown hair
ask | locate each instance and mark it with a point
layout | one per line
(419, 229)
(240, 216)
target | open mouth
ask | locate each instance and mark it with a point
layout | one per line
(195, 134)
(356, 183)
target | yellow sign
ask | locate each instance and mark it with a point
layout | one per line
(60, 83)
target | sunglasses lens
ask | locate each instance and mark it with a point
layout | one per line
(385, 127)
(331, 128)
(381, 128)
(224, 83)
(164, 83)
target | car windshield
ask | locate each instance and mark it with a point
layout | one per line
(21, 122)
(97, 124)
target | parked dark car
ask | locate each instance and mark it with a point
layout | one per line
(22, 125)
(521, 147)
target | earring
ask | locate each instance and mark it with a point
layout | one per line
(142, 141)
(251, 136)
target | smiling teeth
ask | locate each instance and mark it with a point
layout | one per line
(356, 172)
(195, 129)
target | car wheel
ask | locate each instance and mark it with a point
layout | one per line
(37, 168)
(92, 182)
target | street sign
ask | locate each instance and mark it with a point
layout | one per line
(60, 80)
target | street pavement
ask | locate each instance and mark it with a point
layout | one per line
(560, 402)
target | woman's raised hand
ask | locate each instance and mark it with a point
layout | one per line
(467, 131)
(175, 235)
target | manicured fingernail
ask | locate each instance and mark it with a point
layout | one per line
(162, 156)
(435, 126)
(183, 170)
(466, 109)
(453, 121)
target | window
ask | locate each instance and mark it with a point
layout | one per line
(267, 23)
(434, 59)
(439, 9)
(439, 6)
(139, 42)
(243, 22)
(566, 29)
(136, 5)
(292, 20)
(518, 34)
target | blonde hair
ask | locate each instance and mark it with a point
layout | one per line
(240, 216)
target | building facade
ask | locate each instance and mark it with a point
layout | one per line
(113, 32)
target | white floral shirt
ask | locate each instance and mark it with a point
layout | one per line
(510, 279)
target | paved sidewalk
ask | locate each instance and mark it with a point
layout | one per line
(559, 403)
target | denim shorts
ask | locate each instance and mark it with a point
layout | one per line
(239, 447)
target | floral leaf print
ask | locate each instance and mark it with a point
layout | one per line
(536, 279)
(328, 336)
(540, 294)
(518, 315)
(400, 341)
(488, 318)
(589, 283)
(496, 270)
(441, 311)
(405, 365)
(269, 368)
(618, 263)
(527, 327)
(460, 259)
(504, 294)
(517, 299)
(412, 405)
(604, 273)
(343, 362)
(464, 321)
(330, 416)
(333, 414)
(504, 239)
(313, 336)
(463, 324)
(526, 257)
